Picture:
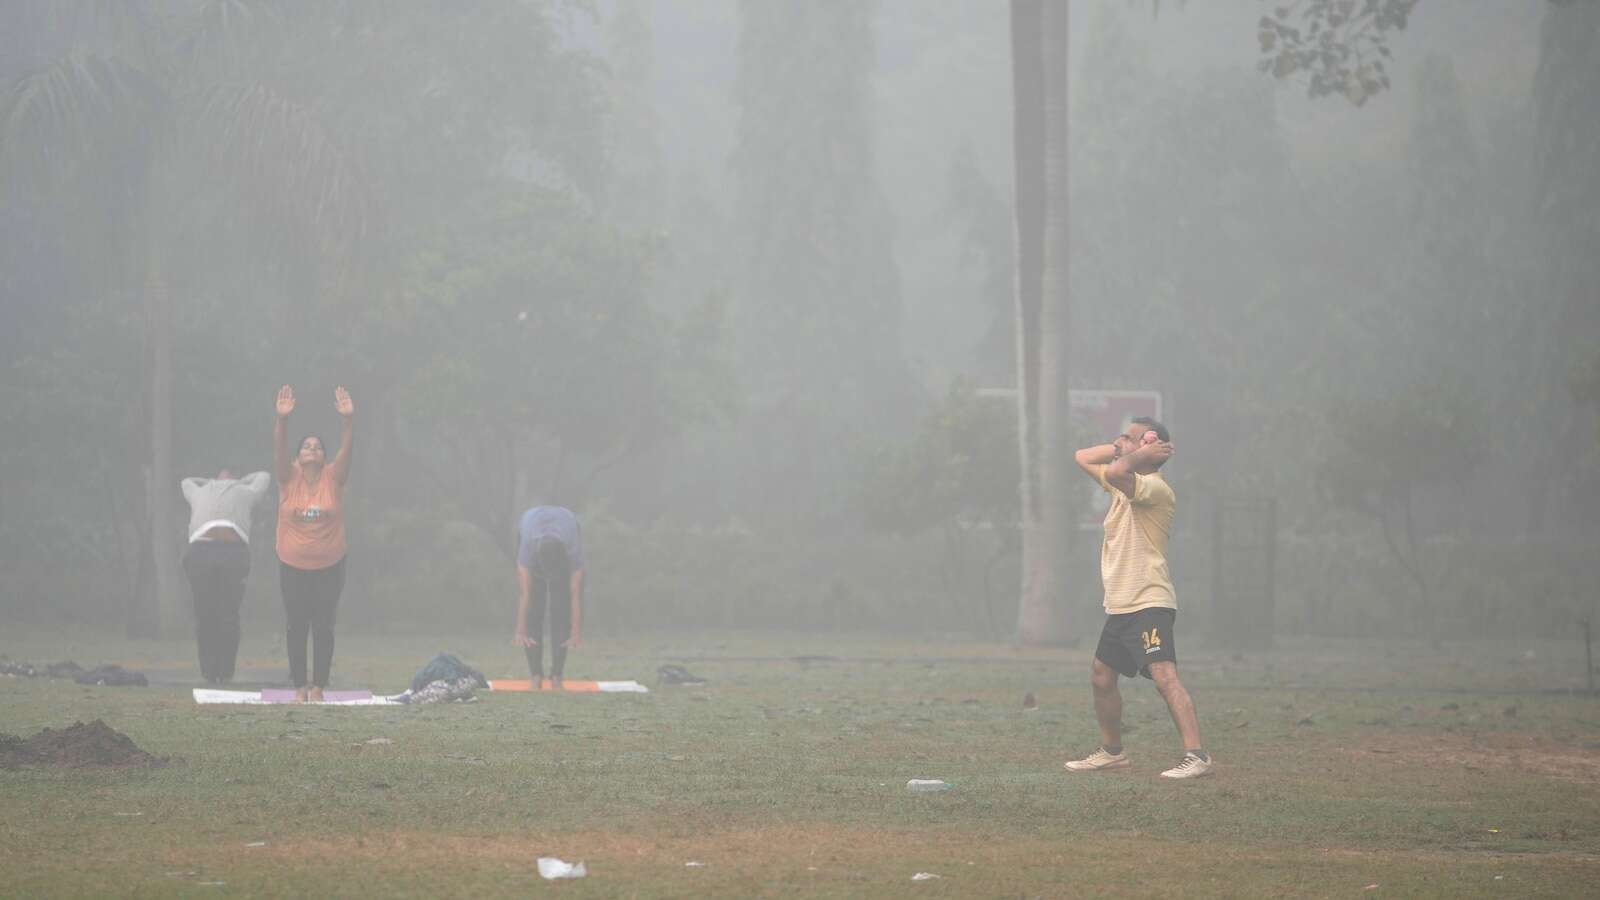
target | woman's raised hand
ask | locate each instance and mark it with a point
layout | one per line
(343, 403)
(285, 401)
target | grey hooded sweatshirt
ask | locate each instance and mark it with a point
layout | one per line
(225, 502)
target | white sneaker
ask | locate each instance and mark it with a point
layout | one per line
(1097, 761)
(1191, 767)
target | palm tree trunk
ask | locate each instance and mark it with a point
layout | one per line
(1028, 138)
(1039, 45)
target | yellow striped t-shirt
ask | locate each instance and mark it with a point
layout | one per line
(1133, 559)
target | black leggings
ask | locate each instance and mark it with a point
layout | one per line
(558, 593)
(216, 571)
(311, 600)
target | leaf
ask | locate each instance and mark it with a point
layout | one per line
(81, 108)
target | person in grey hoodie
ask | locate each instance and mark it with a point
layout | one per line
(217, 562)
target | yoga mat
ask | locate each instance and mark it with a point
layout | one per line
(571, 687)
(270, 698)
(286, 695)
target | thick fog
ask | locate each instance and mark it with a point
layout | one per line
(738, 283)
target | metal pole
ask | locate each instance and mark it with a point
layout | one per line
(1588, 657)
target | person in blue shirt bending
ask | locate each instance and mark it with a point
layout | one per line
(549, 568)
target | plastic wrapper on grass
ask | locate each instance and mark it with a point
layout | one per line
(551, 868)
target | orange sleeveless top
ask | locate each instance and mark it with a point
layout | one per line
(311, 521)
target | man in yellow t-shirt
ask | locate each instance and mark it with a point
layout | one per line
(1140, 603)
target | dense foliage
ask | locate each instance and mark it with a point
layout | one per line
(734, 280)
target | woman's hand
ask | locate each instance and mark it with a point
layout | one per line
(341, 402)
(522, 640)
(572, 643)
(285, 401)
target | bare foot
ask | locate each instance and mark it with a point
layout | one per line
(299, 695)
(315, 694)
(556, 684)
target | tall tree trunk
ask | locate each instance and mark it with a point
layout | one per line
(1039, 32)
(1028, 136)
(1057, 473)
(163, 481)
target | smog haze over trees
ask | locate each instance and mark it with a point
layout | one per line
(739, 282)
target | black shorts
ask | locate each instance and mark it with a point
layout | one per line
(1130, 642)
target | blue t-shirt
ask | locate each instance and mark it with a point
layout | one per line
(548, 521)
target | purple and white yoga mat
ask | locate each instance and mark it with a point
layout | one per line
(286, 695)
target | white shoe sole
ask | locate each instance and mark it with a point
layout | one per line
(1200, 774)
(1120, 764)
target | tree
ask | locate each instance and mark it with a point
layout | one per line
(1039, 34)
(1423, 335)
(818, 313)
(535, 355)
(979, 209)
(636, 193)
(124, 124)
(1410, 427)
(1567, 216)
(958, 474)
(1340, 45)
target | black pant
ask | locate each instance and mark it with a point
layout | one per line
(559, 594)
(216, 571)
(311, 600)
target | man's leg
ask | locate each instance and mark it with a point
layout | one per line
(1110, 658)
(230, 598)
(1179, 703)
(211, 626)
(1108, 713)
(535, 654)
(1196, 762)
(560, 630)
(1107, 706)
(196, 571)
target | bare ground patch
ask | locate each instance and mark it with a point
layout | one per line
(804, 843)
(1576, 760)
(830, 859)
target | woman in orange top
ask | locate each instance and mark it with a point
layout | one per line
(311, 547)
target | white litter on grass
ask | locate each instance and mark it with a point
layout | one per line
(927, 784)
(128, 814)
(380, 741)
(211, 883)
(691, 864)
(925, 876)
(552, 868)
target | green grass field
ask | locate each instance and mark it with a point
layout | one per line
(1423, 773)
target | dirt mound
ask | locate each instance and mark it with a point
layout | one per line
(11, 752)
(75, 747)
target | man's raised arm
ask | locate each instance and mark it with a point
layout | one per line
(1120, 474)
(1090, 459)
